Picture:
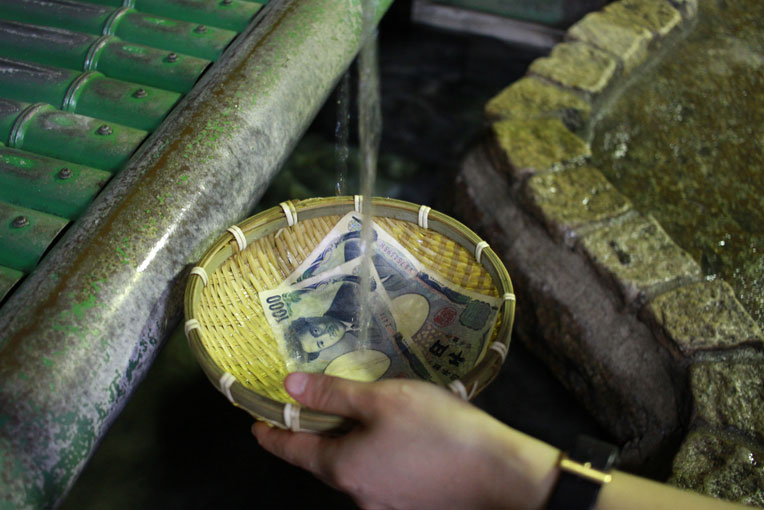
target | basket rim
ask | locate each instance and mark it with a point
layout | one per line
(289, 213)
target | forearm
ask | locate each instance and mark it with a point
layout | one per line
(626, 492)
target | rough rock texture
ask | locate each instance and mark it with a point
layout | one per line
(701, 316)
(598, 349)
(721, 465)
(622, 37)
(657, 15)
(567, 201)
(577, 65)
(688, 8)
(533, 98)
(730, 394)
(526, 147)
(638, 257)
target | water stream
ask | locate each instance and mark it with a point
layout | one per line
(370, 130)
(341, 134)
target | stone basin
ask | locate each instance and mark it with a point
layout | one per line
(622, 186)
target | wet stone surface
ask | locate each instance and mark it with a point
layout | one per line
(730, 394)
(624, 38)
(566, 201)
(657, 15)
(703, 315)
(532, 98)
(577, 65)
(536, 145)
(638, 256)
(684, 144)
(722, 466)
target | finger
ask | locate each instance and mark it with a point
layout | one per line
(330, 394)
(301, 449)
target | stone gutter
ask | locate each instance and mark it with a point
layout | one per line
(668, 362)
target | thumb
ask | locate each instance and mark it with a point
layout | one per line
(329, 394)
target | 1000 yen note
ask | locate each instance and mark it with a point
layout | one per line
(340, 245)
(447, 324)
(316, 323)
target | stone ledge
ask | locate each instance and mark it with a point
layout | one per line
(702, 316)
(530, 146)
(639, 257)
(597, 348)
(568, 201)
(658, 16)
(577, 65)
(625, 39)
(531, 98)
(730, 394)
(722, 466)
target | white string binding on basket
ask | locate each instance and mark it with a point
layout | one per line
(458, 388)
(500, 348)
(508, 297)
(290, 212)
(424, 213)
(358, 203)
(479, 247)
(226, 380)
(201, 273)
(238, 234)
(292, 417)
(191, 324)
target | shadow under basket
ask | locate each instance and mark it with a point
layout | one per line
(230, 336)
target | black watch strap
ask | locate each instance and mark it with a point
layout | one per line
(582, 473)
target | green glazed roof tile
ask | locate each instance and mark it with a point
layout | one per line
(46, 184)
(90, 93)
(193, 39)
(44, 45)
(108, 54)
(42, 129)
(83, 83)
(8, 279)
(25, 234)
(228, 14)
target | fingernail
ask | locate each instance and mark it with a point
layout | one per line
(295, 383)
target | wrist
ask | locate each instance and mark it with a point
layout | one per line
(527, 472)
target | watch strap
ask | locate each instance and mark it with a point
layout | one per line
(583, 471)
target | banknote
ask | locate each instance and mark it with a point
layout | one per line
(446, 324)
(316, 322)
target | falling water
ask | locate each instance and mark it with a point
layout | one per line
(341, 149)
(369, 128)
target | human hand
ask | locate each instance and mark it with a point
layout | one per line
(415, 446)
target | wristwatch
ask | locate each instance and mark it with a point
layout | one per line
(583, 472)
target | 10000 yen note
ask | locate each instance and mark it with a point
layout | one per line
(447, 324)
(316, 323)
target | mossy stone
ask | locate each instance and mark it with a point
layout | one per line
(568, 200)
(730, 394)
(688, 8)
(722, 466)
(531, 98)
(531, 146)
(624, 38)
(638, 256)
(659, 16)
(577, 65)
(703, 315)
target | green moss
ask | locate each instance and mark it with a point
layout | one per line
(577, 65)
(536, 145)
(684, 144)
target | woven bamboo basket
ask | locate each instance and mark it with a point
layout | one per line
(226, 326)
